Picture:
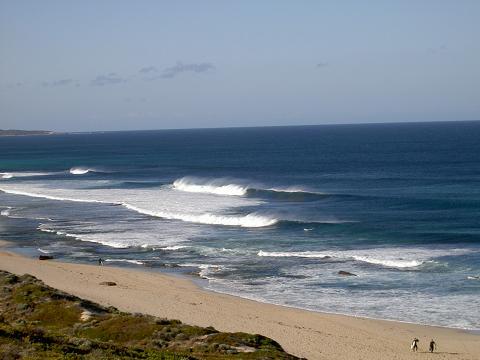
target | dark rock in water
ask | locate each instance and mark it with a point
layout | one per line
(171, 265)
(108, 283)
(346, 273)
(45, 257)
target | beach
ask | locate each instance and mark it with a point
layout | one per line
(312, 335)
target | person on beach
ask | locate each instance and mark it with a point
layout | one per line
(432, 346)
(100, 261)
(414, 346)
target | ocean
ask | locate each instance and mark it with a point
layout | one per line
(271, 214)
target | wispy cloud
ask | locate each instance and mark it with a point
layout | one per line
(180, 68)
(107, 79)
(15, 85)
(62, 82)
(148, 69)
(437, 49)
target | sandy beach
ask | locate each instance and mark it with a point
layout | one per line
(303, 333)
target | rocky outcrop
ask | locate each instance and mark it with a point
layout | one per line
(346, 273)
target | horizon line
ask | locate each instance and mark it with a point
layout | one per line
(54, 132)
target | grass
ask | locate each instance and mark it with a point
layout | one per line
(39, 322)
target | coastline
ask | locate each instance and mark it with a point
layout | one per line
(304, 333)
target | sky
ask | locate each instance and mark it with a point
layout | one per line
(125, 65)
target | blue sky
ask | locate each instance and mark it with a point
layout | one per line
(117, 65)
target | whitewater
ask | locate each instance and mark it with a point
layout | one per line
(161, 202)
(272, 214)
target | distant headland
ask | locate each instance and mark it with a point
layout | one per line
(25, 132)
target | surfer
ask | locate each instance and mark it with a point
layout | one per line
(414, 346)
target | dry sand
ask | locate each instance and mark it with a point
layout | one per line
(303, 333)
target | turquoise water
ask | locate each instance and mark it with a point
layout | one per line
(266, 213)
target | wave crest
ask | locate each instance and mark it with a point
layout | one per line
(223, 186)
(189, 185)
(250, 220)
(80, 170)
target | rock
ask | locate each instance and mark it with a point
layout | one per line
(108, 283)
(171, 265)
(346, 273)
(45, 257)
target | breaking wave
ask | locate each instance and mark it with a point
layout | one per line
(224, 187)
(386, 260)
(249, 220)
(188, 184)
(9, 175)
(80, 170)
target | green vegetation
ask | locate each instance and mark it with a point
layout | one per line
(39, 322)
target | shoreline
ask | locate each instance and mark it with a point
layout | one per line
(198, 281)
(305, 333)
(467, 330)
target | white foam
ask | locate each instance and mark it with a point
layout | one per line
(222, 186)
(395, 263)
(136, 262)
(51, 197)
(303, 254)
(212, 187)
(205, 269)
(63, 233)
(173, 248)
(79, 170)
(388, 257)
(6, 212)
(42, 227)
(293, 189)
(10, 175)
(249, 220)
(160, 202)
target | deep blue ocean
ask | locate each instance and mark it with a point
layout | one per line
(271, 214)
